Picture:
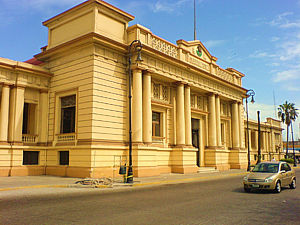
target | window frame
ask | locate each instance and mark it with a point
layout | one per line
(66, 162)
(58, 109)
(29, 163)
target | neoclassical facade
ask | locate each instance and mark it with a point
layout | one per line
(65, 112)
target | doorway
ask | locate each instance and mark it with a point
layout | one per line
(196, 137)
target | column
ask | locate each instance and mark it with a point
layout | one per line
(4, 113)
(16, 106)
(241, 123)
(137, 107)
(235, 126)
(180, 120)
(188, 117)
(147, 111)
(212, 133)
(249, 138)
(43, 116)
(218, 121)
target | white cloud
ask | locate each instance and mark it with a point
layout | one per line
(213, 43)
(287, 75)
(260, 54)
(169, 6)
(291, 50)
(273, 39)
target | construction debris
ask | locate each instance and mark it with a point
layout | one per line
(95, 182)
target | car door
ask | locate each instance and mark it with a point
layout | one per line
(283, 174)
(289, 173)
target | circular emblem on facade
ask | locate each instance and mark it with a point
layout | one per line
(199, 51)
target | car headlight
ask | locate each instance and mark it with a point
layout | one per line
(268, 180)
(245, 179)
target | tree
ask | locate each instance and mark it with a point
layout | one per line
(287, 113)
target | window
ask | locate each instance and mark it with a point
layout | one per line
(64, 158)
(156, 123)
(223, 133)
(28, 118)
(30, 157)
(68, 112)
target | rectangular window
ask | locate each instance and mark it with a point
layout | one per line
(223, 133)
(30, 157)
(156, 123)
(25, 118)
(64, 158)
(68, 113)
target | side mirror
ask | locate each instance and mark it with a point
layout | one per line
(282, 171)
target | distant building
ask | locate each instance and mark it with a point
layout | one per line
(65, 112)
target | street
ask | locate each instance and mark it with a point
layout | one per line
(221, 201)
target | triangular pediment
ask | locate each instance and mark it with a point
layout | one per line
(197, 49)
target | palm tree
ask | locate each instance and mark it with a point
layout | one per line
(294, 115)
(285, 114)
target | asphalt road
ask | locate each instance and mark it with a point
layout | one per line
(208, 202)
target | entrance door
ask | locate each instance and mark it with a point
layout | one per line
(195, 138)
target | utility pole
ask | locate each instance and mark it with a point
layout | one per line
(259, 153)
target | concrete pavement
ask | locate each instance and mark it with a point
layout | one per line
(31, 182)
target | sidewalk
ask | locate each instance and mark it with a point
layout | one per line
(30, 182)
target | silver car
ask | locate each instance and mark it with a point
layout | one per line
(270, 176)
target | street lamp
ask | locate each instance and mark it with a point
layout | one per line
(250, 93)
(137, 48)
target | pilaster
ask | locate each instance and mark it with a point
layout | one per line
(4, 113)
(147, 111)
(188, 119)
(16, 114)
(180, 120)
(212, 141)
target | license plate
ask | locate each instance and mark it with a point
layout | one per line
(255, 185)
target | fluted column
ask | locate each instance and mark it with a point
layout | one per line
(147, 111)
(218, 121)
(4, 113)
(43, 116)
(137, 107)
(16, 106)
(188, 118)
(235, 126)
(212, 133)
(180, 120)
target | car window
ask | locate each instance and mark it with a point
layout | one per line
(287, 167)
(266, 168)
(282, 167)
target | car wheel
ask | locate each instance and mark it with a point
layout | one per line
(278, 187)
(293, 184)
(247, 190)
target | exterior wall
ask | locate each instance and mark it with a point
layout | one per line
(199, 104)
(271, 140)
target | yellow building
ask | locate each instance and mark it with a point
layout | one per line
(271, 144)
(65, 112)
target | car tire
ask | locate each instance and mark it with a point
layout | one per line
(247, 190)
(293, 184)
(277, 187)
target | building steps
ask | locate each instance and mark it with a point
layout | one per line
(207, 170)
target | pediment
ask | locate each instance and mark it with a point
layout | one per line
(197, 49)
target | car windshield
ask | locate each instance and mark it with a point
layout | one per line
(266, 168)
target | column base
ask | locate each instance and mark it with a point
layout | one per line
(184, 169)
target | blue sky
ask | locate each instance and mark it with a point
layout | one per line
(260, 38)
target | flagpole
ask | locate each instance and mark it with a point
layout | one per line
(195, 37)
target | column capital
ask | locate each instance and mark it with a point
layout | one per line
(147, 72)
(177, 83)
(44, 91)
(5, 84)
(138, 67)
(19, 86)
